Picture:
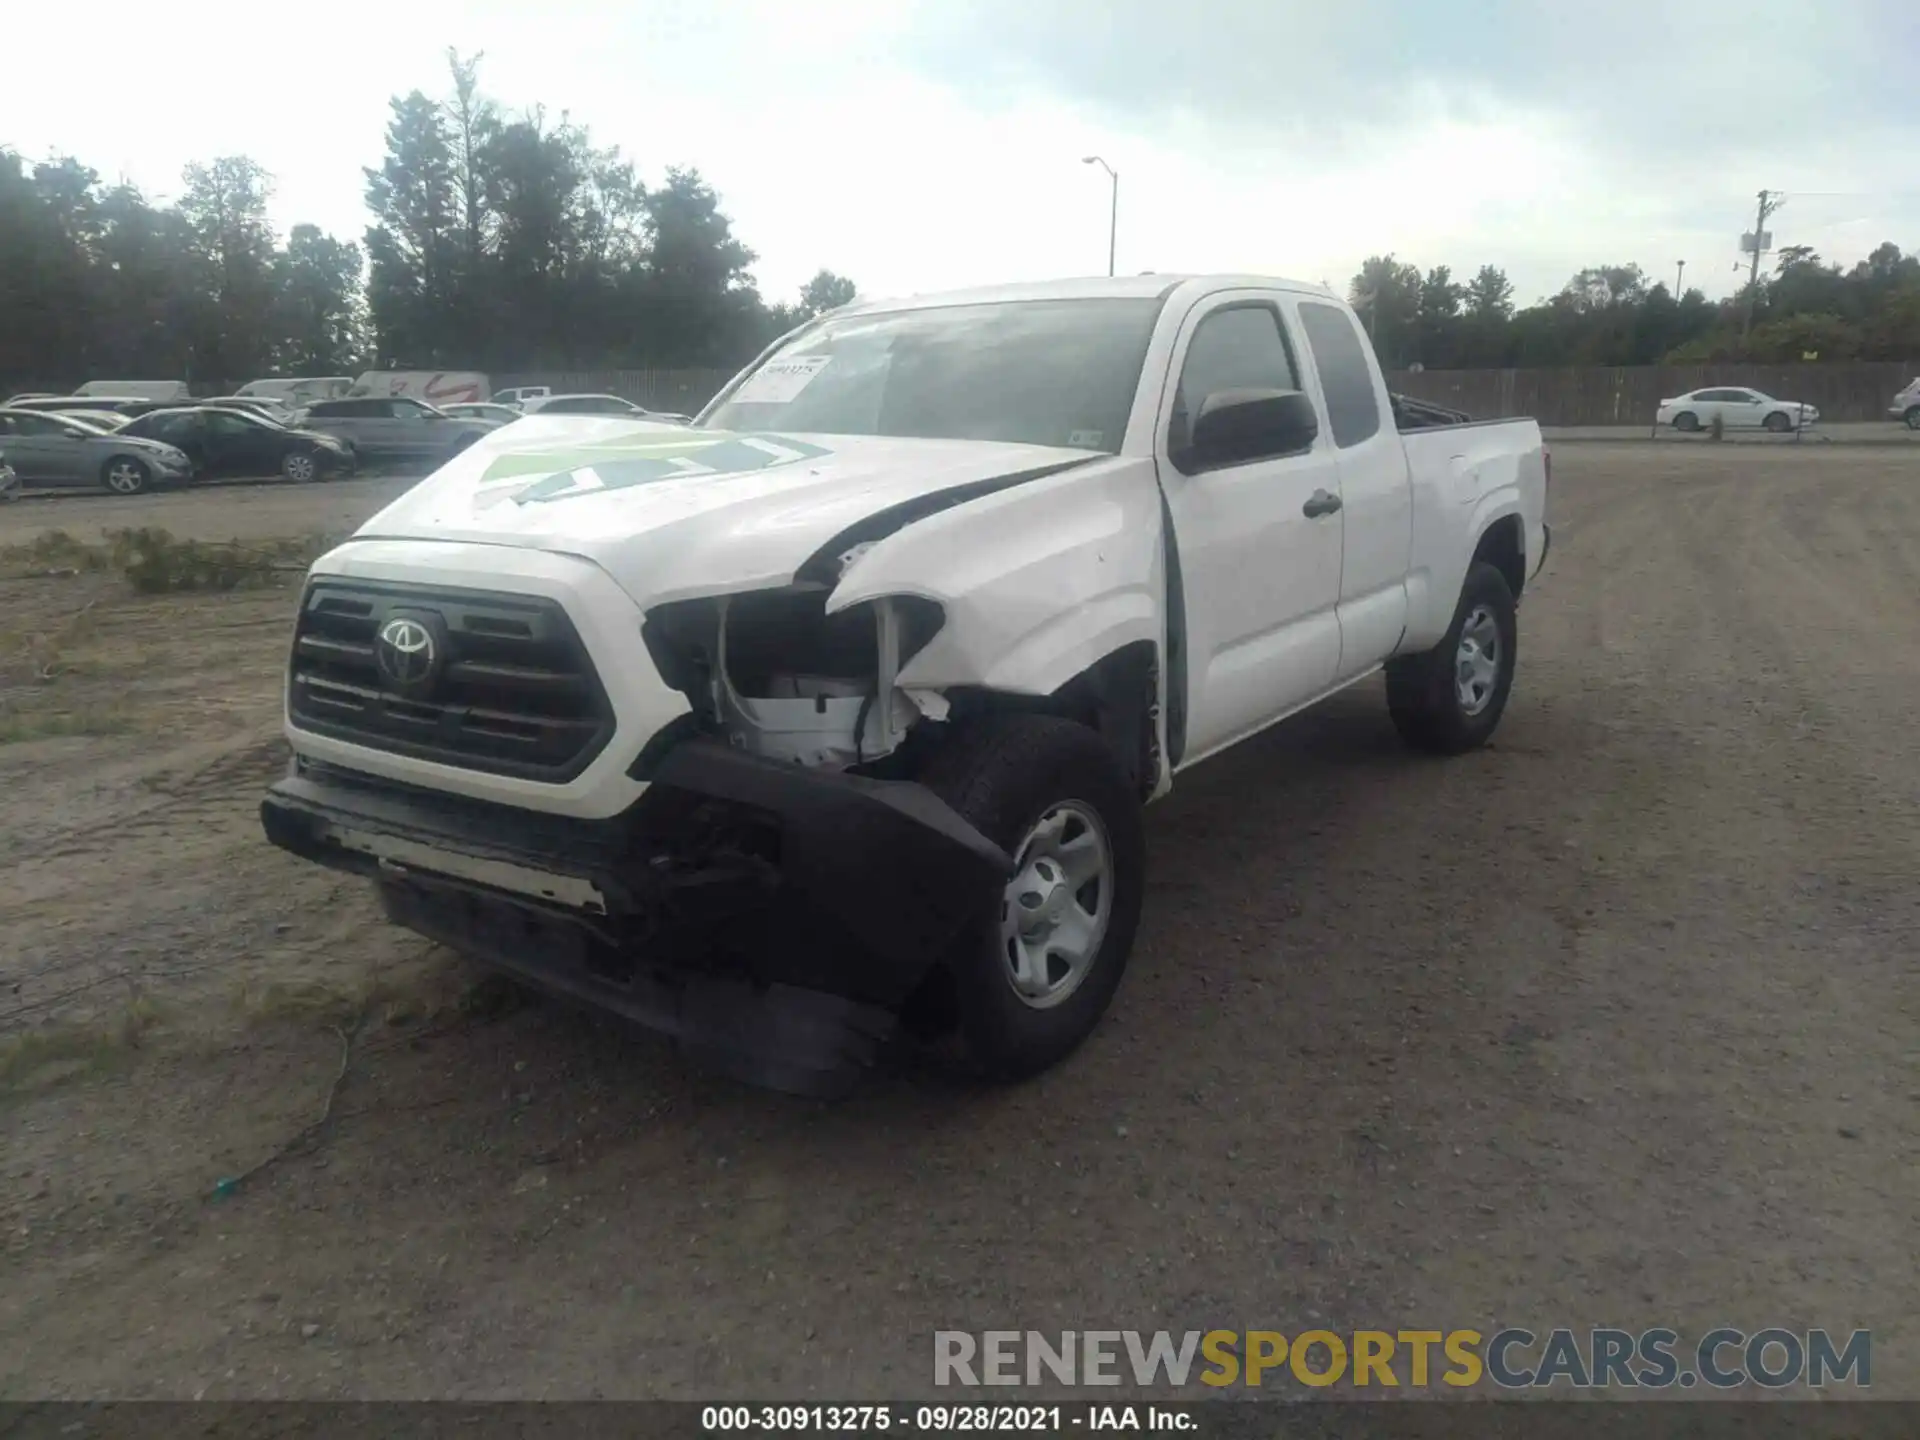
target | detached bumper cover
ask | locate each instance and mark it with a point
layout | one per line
(772, 918)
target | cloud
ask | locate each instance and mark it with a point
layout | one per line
(937, 144)
(1550, 136)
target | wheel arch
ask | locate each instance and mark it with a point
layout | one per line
(1117, 697)
(1503, 545)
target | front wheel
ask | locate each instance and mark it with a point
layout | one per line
(1779, 422)
(125, 475)
(1449, 700)
(1912, 417)
(1033, 974)
(299, 466)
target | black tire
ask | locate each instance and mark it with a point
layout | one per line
(1912, 417)
(1005, 774)
(1686, 420)
(300, 466)
(1779, 422)
(126, 475)
(1422, 695)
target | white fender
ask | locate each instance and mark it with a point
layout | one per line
(1037, 582)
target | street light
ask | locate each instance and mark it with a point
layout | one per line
(1113, 222)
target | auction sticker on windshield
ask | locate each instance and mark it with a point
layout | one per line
(780, 380)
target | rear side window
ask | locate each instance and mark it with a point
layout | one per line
(1237, 348)
(166, 426)
(1353, 410)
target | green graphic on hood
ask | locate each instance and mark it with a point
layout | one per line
(642, 457)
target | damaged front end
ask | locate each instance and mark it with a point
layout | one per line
(772, 899)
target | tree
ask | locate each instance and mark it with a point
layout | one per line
(232, 243)
(410, 245)
(1386, 294)
(825, 291)
(699, 290)
(1489, 295)
(321, 313)
(1440, 335)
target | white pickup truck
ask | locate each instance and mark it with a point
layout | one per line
(837, 712)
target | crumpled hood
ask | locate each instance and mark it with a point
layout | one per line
(672, 512)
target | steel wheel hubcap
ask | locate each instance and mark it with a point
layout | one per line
(1476, 664)
(1053, 916)
(300, 467)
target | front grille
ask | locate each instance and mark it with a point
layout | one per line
(514, 692)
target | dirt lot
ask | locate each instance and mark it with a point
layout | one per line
(1613, 1023)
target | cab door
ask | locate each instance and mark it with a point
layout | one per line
(1258, 540)
(1377, 537)
(42, 449)
(236, 445)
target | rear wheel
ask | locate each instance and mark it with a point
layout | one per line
(300, 466)
(125, 475)
(1450, 699)
(1779, 422)
(1686, 420)
(1033, 974)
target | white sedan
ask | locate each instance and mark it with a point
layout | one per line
(1737, 409)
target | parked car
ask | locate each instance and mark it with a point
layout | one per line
(128, 405)
(108, 420)
(482, 410)
(517, 395)
(172, 391)
(394, 429)
(235, 443)
(1906, 405)
(276, 410)
(585, 405)
(870, 672)
(60, 450)
(1737, 408)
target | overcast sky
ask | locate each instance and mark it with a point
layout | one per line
(918, 146)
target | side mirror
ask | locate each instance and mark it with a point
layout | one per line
(1235, 426)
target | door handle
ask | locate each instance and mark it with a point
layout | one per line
(1320, 503)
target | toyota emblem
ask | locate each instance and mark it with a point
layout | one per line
(405, 651)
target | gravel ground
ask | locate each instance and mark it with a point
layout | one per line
(1612, 1023)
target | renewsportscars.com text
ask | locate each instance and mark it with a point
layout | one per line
(1512, 1358)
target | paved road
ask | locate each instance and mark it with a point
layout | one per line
(1613, 1023)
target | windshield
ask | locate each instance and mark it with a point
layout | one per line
(1041, 372)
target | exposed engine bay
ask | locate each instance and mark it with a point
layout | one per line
(774, 675)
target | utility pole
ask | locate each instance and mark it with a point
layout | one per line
(1113, 214)
(1769, 202)
(1679, 278)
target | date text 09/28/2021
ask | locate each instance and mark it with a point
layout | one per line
(943, 1419)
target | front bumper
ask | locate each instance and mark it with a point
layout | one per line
(773, 919)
